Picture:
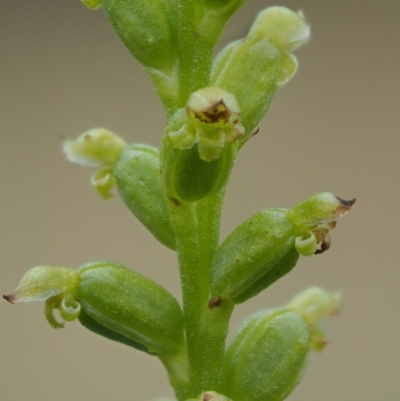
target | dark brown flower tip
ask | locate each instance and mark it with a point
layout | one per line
(347, 203)
(345, 206)
(10, 298)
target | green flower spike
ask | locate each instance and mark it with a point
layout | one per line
(97, 148)
(288, 30)
(212, 121)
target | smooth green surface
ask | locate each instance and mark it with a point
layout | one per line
(137, 174)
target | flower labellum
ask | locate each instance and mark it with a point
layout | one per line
(213, 121)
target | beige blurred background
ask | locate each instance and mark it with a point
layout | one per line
(333, 128)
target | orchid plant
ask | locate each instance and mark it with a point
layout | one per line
(213, 107)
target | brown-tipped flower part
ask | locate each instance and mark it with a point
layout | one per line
(55, 285)
(213, 121)
(314, 218)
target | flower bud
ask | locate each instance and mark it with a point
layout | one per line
(288, 30)
(243, 263)
(285, 27)
(132, 305)
(137, 174)
(92, 4)
(267, 357)
(97, 148)
(314, 218)
(148, 28)
(212, 122)
(314, 304)
(253, 59)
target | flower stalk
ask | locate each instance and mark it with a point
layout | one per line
(213, 107)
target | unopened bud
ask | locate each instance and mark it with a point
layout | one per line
(148, 29)
(266, 358)
(244, 261)
(315, 304)
(288, 29)
(137, 174)
(253, 59)
(132, 305)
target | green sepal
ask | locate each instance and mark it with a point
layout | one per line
(190, 179)
(99, 329)
(283, 267)
(137, 174)
(132, 305)
(148, 28)
(250, 252)
(252, 59)
(267, 357)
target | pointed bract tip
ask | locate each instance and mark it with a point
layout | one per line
(10, 298)
(345, 205)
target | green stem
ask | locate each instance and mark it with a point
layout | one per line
(197, 231)
(199, 31)
(178, 373)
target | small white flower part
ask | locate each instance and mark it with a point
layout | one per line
(289, 67)
(97, 147)
(288, 29)
(315, 304)
(213, 121)
(103, 180)
(55, 285)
